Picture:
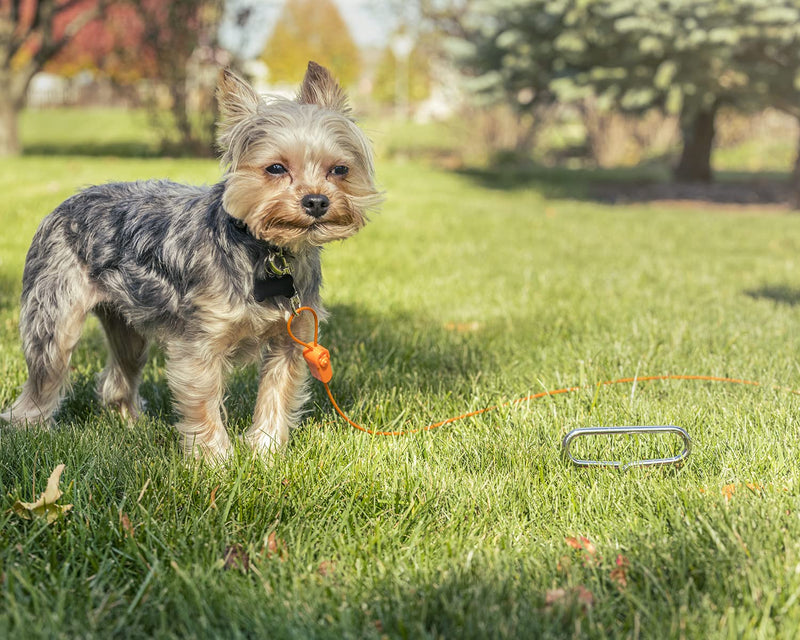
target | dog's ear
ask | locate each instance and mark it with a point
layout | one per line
(235, 97)
(319, 87)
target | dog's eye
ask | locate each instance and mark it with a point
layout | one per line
(340, 170)
(276, 169)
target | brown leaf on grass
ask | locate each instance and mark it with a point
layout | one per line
(45, 507)
(584, 596)
(236, 558)
(619, 574)
(573, 542)
(127, 527)
(579, 595)
(554, 595)
(276, 547)
(463, 327)
(581, 544)
(326, 568)
(729, 490)
(212, 503)
(588, 546)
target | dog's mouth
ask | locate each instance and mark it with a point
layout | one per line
(316, 233)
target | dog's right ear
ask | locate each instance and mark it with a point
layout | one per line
(236, 98)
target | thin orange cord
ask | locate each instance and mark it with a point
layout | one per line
(314, 348)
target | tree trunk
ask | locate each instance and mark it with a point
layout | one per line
(12, 98)
(794, 198)
(697, 128)
(9, 135)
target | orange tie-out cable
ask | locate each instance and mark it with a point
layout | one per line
(319, 362)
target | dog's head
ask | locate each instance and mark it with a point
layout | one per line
(299, 172)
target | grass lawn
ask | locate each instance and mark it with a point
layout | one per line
(467, 290)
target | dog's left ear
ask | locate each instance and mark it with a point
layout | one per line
(319, 87)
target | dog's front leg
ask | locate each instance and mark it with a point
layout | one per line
(282, 391)
(196, 381)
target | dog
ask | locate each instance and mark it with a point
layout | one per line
(211, 273)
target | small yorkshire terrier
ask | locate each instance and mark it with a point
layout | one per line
(212, 273)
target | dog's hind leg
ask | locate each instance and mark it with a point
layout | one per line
(118, 384)
(55, 301)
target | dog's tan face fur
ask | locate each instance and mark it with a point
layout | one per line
(280, 151)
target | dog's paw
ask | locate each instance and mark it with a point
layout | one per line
(10, 418)
(263, 445)
(129, 411)
(214, 448)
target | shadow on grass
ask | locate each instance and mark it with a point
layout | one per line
(780, 294)
(373, 355)
(10, 289)
(129, 149)
(646, 183)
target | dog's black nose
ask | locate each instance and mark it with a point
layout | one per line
(315, 204)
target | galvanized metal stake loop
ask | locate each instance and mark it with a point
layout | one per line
(618, 464)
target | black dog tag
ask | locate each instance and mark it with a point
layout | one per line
(264, 288)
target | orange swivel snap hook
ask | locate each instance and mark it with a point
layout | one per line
(317, 357)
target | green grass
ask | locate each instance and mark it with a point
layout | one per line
(467, 290)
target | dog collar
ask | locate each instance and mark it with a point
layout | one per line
(273, 274)
(273, 277)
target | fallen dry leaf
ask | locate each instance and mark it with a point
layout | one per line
(581, 544)
(213, 501)
(276, 546)
(576, 595)
(589, 556)
(584, 596)
(729, 490)
(463, 327)
(326, 568)
(554, 595)
(45, 506)
(125, 521)
(573, 542)
(620, 573)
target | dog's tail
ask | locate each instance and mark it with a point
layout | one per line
(56, 296)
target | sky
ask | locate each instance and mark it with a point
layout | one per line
(369, 21)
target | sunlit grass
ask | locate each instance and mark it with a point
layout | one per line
(468, 290)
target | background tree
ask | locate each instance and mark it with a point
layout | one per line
(385, 83)
(32, 32)
(112, 47)
(683, 56)
(311, 30)
(690, 57)
(181, 38)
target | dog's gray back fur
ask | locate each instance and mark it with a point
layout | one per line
(154, 281)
